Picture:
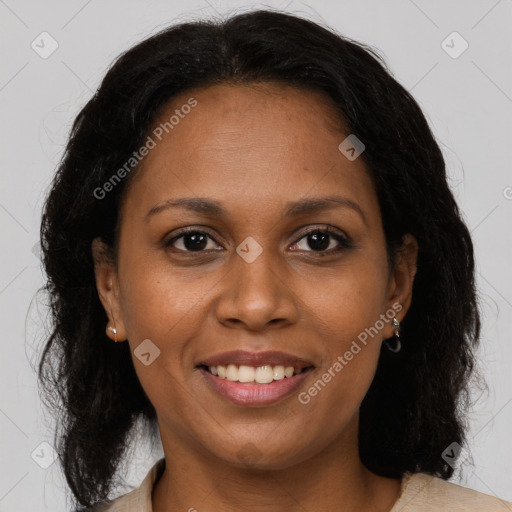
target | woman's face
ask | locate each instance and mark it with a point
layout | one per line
(251, 277)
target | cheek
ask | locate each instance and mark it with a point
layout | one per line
(160, 302)
(167, 308)
(348, 300)
(157, 308)
(346, 317)
(342, 381)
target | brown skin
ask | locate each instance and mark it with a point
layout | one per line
(254, 149)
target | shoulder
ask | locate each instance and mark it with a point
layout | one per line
(138, 500)
(130, 502)
(426, 493)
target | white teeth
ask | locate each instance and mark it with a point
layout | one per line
(246, 374)
(232, 372)
(288, 371)
(278, 372)
(264, 374)
(261, 374)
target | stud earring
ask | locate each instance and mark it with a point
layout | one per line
(114, 331)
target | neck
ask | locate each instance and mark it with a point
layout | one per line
(334, 479)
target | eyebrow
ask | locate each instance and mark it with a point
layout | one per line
(293, 208)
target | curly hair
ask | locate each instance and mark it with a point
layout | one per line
(417, 403)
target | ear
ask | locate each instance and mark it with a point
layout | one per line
(107, 284)
(401, 281)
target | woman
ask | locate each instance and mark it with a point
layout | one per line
(257, 215)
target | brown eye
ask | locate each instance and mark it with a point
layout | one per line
(191, 241)
(323, 241)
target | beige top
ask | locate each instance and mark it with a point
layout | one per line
(419, 493)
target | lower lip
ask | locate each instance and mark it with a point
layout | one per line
(253, 394)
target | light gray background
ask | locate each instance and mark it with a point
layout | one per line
(468, 101)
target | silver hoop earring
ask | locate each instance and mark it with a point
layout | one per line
(394, 344)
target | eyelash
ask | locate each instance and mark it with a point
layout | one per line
(344, 242)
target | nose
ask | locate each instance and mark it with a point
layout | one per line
(257, 295)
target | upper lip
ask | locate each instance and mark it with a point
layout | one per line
(242, 357)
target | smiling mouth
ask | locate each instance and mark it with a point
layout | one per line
(264, 374)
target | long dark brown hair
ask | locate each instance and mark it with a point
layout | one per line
(415, 406)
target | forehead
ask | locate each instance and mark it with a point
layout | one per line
(261, 143)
